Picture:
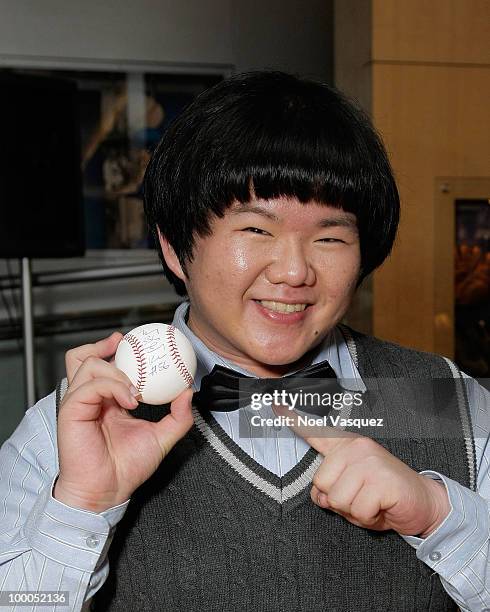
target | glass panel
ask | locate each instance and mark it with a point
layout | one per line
(472, 286)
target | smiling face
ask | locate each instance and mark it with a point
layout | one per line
(271, 280)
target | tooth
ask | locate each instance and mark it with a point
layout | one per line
(281, 307)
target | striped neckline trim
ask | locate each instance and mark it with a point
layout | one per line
(469, 438)
(275, 492)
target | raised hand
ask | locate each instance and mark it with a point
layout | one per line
(104, 452)
(363, 482)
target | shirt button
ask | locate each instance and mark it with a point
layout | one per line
(435, 556)
(92, 541)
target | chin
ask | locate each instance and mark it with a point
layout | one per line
(273, 358)
(282, 353)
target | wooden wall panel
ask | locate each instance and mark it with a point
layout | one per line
(423, 69)
(446, 31)
(435, 123)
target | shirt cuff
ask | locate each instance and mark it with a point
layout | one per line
(73, 537)
(415, 541)
(450, 547)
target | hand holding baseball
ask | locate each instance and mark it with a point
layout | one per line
(363, 482)
(104, 452)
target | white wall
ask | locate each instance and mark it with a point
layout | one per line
(190, 31)
(292, 35)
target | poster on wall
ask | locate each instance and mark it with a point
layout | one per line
(122, 117)
(472, 287)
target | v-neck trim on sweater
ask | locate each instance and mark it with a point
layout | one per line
(279, 489)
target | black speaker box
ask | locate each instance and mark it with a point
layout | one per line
(41, 212)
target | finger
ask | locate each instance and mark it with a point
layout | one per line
(93, 367)
(85, 402)
(175, 425)
(344, 490)
(366, 506)
(101, 349)
(322, 438)
(330, 470)
(318, 498)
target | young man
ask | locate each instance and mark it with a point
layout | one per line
(271, 198)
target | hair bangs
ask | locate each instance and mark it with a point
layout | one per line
(290, 161)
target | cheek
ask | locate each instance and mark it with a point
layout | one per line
(235, 268)
(338, 293)
(350, 284)
(343, 279)
(240, 261)
(240, 256)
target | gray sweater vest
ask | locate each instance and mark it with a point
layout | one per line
(212, 530)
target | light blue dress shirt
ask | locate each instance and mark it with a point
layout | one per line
(48, 546)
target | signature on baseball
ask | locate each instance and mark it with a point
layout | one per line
(155, 350)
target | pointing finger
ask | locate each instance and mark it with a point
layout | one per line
(322, 438)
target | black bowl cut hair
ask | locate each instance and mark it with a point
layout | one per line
(269, 134)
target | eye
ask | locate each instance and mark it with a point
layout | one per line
(256, 230)
(331, 240)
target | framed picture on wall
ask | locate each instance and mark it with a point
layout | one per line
(472, 286)
(462, 282)
(122, 116)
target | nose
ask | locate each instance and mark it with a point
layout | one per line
(290, 265)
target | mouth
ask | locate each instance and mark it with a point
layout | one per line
(282, 307)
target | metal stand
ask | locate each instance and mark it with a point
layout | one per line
(28, 330)
(28, 280)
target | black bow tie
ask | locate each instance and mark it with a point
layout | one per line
(224, 390)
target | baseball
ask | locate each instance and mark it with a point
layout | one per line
(159, 361)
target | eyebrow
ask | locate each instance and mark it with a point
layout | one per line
(340, 220)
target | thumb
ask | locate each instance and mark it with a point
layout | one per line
(175, 425)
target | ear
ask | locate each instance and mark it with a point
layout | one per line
(170, 257)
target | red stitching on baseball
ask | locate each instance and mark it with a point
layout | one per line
(175, 355)
(139, 353)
